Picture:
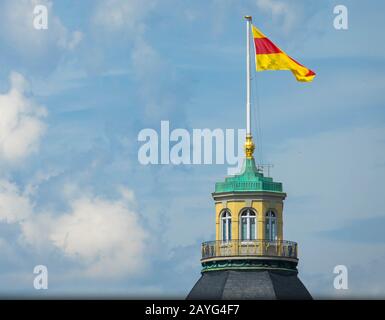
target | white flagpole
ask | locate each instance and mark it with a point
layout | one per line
(248, 111)
(249, 145)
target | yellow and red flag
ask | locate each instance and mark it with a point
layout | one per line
(270, 57)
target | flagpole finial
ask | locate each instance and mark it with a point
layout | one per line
(249, 147)
(248, 18)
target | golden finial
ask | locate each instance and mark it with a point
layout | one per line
(249, 147)
(247, 17)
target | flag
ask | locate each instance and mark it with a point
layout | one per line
(270, 57)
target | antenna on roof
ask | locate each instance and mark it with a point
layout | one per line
(263, 166)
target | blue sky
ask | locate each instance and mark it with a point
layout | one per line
(73, 195)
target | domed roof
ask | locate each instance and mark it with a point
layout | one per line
(254, 285)
(249, 179)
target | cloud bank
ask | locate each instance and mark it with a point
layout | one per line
(21, 121)
(101, 237)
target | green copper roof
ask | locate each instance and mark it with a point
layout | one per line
(250, 179)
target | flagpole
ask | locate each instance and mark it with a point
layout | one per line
(249, 145)
(248, 117)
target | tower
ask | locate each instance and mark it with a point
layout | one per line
(249, 258)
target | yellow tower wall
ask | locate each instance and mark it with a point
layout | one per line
(260, 206)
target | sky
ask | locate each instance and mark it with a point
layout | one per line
(74, 97)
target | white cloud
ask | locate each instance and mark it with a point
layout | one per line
(21, 124)
(35, 231)
(14, 206)
(103, 236)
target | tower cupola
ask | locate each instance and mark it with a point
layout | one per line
(249, 258)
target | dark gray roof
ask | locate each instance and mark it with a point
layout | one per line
(255, 284)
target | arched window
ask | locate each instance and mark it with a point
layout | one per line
(226, 225)
(271, 226)
(248, 225)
